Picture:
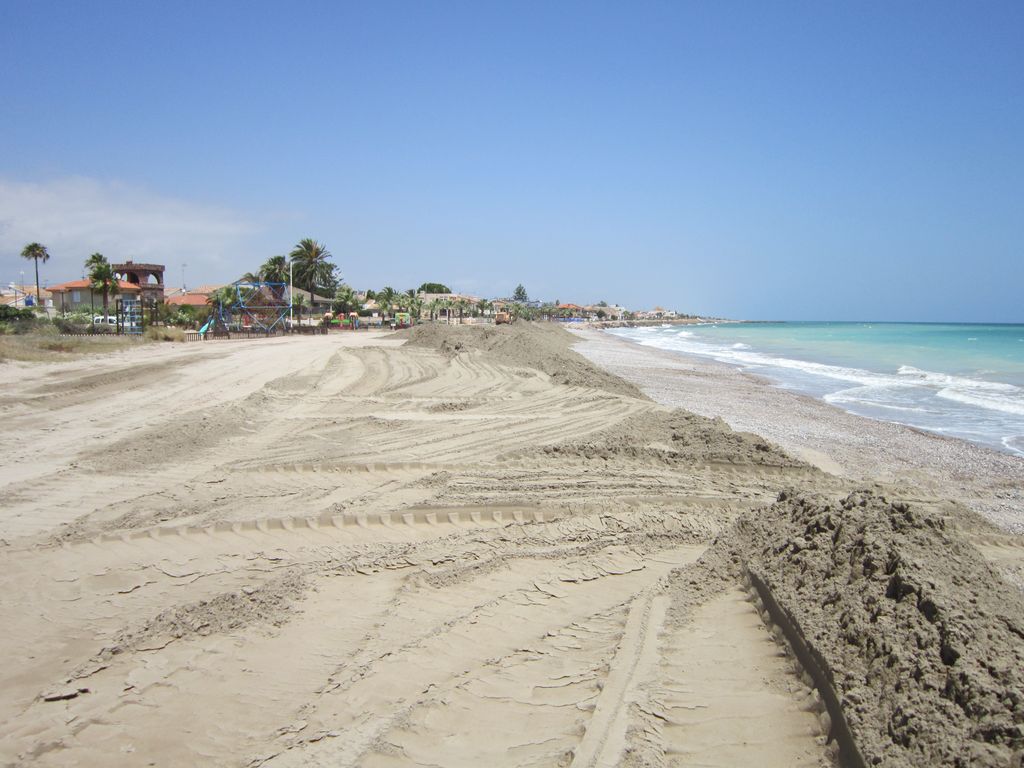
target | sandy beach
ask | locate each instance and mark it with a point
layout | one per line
(475, 546)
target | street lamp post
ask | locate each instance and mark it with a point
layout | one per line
(291, 314)
(183, 265)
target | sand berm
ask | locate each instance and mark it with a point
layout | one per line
(468, 546)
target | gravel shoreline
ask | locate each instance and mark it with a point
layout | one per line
(860, 448)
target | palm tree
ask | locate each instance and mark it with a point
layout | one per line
(222, 299)
(386, 298)
(36, 251)
(298, 302)
(446, 305)
(462, 305)
(225, 296)
(484, 306)
(344, 299)
(416, 308)
(102, 278)
(274, 270)
(313, 268)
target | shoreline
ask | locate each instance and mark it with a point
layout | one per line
(853, 446)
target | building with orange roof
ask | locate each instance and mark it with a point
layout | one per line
(190, 299)
(79, 294)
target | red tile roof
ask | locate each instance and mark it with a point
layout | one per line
(188, 300)
(77, 285)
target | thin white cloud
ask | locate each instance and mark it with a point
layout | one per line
(75, 217)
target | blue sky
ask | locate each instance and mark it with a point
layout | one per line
(814, 160)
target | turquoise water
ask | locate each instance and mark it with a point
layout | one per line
(960, 380)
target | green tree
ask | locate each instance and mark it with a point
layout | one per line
(434, 288)
(520, 295)
(344, 300)
(298, 302)
(225, 296)
(444, 305)
(37, 253)
(416, 308)
(274, 270)
(314, 270)
(386, 298)
(102, 279)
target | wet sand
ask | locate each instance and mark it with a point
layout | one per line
(467, 547)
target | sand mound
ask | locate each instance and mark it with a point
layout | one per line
(924, 641)
(544, 346)
(676, 438)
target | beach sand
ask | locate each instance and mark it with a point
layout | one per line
(471, 546)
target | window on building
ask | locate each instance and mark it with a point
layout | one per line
(76, 296)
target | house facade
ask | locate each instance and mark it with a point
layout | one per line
(79, 295)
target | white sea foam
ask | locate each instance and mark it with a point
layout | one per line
(991, 395)
(872, 396)
(1014, 443)
(977, 409)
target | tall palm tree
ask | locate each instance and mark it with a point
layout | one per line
(36, 252)
(102, 278)
(313, 267)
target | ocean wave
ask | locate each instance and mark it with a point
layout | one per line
(870, 396)
(874, 388)
(1014, 443)
(991, 395)
(983, 400)
(969, 407)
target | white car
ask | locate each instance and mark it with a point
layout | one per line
(100, 320)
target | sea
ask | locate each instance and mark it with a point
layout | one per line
(959, 380)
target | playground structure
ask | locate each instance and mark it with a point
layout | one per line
(257, 308)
